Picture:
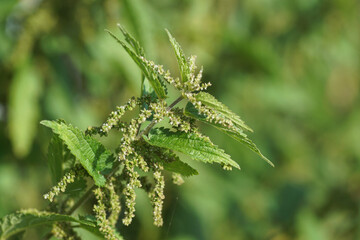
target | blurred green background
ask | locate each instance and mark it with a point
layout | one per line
(290, 69)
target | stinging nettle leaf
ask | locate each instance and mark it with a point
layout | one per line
(149, 73)
(238, 135)
(171, 162)
(132, 41)
(198, 148)
(91, 153)
(211, 102)
(20, 221)
(180, 167)
(180, 56)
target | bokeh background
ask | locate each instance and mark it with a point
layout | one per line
(290, 69)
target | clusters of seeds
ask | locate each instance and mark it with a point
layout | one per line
(129, 190)
(212, 116)
(180, 122)
(177, 179)
(105, 225)
(114, 202)
(189, 87)
(61, 186)
(157, 195)
(115, 116)
(191, 84)
(64, 230)
(69, 177)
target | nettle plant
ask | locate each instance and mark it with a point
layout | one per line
(145, 151)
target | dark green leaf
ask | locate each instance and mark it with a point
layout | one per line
(149, 73)
(212, 103)
(91, 154)
(178, 166)
(238, 135)
(198, 148)
(17, 222)
(132, 41)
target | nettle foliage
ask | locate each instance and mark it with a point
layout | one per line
(144, 152)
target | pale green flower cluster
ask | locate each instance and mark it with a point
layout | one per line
(157, 195)
(193, 84)
(114, 202)
(64, 231)
(189, 87)
(105, 225)
(114, 118)
(61, 186)
(177, 179)
(129, 191)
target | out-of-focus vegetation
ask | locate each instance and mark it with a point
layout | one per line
(291, 69)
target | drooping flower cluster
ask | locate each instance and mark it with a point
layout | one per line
(114, 202)
(64, 230)
(129, 191)
(61, 186)
(177, 179)
(157, 195)
(106, 226)
(69, 177)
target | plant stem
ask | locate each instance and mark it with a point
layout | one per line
(88, 193)
(82, 200)
(153, 122)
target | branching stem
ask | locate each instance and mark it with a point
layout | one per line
(153, 122)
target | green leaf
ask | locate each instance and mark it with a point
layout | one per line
(132, 41)
(180, 167)
(170, 161)
(24, 94)
(198, 148)
(238, 135)
(180, 56)
(212, 103)
(91, 153)
(20, 221)
(149, 73)
(56, 158)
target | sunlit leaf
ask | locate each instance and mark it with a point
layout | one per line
(180, 167)
(198, 148)
(211, 102)
(180, 56)
(149, 73)
(91, 153)
(237, 134)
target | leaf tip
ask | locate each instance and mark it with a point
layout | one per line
(268, 161)
(45, 123)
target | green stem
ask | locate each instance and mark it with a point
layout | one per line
(153, 122)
